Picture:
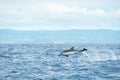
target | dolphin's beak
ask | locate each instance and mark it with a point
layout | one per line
(60, 54)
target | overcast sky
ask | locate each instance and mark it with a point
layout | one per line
(59, 14)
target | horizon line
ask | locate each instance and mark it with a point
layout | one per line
(57, 29)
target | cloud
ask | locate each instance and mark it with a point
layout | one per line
(41, 15)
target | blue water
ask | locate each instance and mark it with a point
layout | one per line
(41, 62)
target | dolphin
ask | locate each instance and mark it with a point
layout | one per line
(71, 51)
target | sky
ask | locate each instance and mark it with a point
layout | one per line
(59, 14)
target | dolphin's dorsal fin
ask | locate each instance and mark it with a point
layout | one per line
(72, 48)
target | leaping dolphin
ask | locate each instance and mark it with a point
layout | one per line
(71, 51)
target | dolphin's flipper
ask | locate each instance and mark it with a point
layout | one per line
(66, 55)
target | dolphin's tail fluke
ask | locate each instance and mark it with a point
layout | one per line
(85, 49)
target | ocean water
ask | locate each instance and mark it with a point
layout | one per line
(41, 62)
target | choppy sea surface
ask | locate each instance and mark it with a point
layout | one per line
(41, 62)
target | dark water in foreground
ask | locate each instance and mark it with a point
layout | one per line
(41, 62)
